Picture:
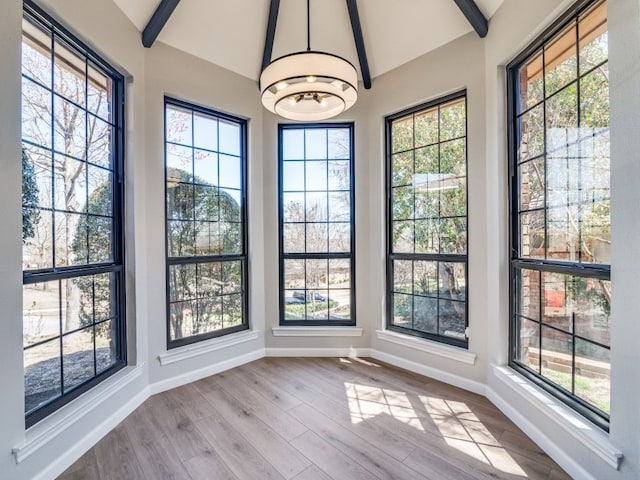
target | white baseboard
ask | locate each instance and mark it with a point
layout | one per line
(450, 378)
(194, 375)
(318, 352)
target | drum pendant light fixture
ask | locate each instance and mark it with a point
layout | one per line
(309, 86)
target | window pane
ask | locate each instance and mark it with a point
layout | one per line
(98, 87)
(205, 132)
(425, 278)
(315, 145)
(178, 127)
(453, 121)
(77, 360)
(40, 312)
(205, 165)
(36, 53)
(69, 72)
(402, 135)
(100, 140)
(528, 343)
(293, 177)
(594, 38)
(531, 134)
(229, 137)
(560, 60)
(402, 168)
(593, 375)
(339, 143)
(531, 88)
(529, 298)
(106, 345)
(230, 172)
(556, 357)
(426, 127)
(42, 374)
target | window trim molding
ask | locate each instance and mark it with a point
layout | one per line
(118, 264)
(243, 256)
(515, 262)
(351, 255)
(389, 327)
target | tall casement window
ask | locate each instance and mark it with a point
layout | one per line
(72, 216)
(205, 158)
(427, 221)
(316, 225)
(560, 211)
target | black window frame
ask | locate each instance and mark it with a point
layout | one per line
(243, 257)
(435, 257)
(34, 14)
(516, 263)
(351, 255)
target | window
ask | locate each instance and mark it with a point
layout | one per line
(316, 225)
(427, 215)
(72, 228)
(205, 159)
(560, 214)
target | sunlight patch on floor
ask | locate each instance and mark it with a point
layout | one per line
(454, 421)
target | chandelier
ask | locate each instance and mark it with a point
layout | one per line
(309, 85)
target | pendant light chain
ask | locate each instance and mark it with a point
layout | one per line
(308, 26)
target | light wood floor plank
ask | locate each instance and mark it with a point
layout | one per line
(316, 419)
(170, 416)
(312, 473)
(271, 414)
(241, 457)
(312, 393)
(155, 452)
(331, 460)
(373, 459)
(286, 459)
(207, 466)
(116, 457)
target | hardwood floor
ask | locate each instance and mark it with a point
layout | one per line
(315, 419)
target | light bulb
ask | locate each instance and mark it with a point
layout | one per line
(281, 85)
(311, 78)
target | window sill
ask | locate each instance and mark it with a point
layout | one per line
(207, 346)
(434, 348)
(49, 428)
(590, 436)
(316, 331)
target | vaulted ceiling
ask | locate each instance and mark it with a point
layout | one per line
(231, 33)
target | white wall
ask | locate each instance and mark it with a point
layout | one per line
(365, 308)
(173, 73)
(453, 67)
(469, 62)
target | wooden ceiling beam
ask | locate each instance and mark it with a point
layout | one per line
(475, 17)
(357, 36)
(158, 21)
(271, 33)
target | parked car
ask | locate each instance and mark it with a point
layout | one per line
(309, 297)
(294, 301)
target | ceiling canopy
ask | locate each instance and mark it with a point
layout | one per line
(231, 33)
